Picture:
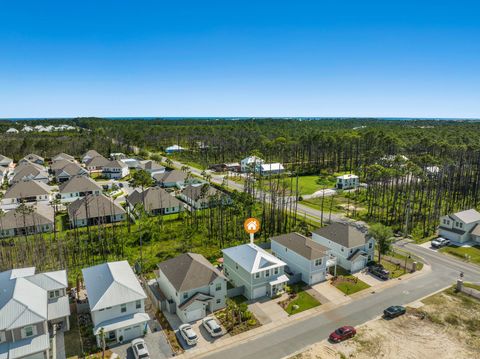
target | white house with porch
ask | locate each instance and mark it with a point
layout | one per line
(461, 227)
(352, 248)
(117, 302)
(259, 272)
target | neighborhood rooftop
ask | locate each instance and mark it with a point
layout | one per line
(155, 198)
(252, 258)
(468, 216)
(93, 206)
(342, 233)
(79, 184)
(24, 189)
(301, 245)
(111, 284)
(189, 271)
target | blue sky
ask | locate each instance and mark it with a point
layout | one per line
(239, 58)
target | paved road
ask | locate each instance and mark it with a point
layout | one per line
(300, 334)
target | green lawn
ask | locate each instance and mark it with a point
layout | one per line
(395, 272)
(73, 344)
(349, 287)
(473, 253)
(304, 301)
(402, 257)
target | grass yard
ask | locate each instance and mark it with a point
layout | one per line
(394, 270)
(73, 343)
(303, 301)
(471, 254)
(348, 283)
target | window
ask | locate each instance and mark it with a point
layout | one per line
(342, 249)
(51, 295)
(286, 249)
(267, 273)
(218, 287)
(123, 308)
(219, 301)
(138, 304)
(257, 275)
(28, 331)
(275, 271)
(185, 295)
(370, 245)
(318, 262)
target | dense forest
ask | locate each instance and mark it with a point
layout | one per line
(414, 171)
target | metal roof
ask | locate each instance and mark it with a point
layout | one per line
(121, 322)
(111, 284)
(252, 258)
(25, 347)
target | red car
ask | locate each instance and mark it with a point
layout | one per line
(342, 333)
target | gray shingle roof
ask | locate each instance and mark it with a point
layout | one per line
(79, 184)
(24, 189)
(29, 170)
(344, 234)
(32, 157)
(71, 169)
(195, 192)
(468, 216)
(98, 161)
(41, 215)
(97, 206)
(301, 245)
(63, 156)
(172, 176)
(189, 271)
(155, 198)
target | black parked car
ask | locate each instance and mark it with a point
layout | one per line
(379, 272)
(394, 311)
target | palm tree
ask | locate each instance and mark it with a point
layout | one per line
(102, 338)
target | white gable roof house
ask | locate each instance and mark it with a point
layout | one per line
(271, 168)
(251, 163)
(29, 302)
(461, 227)
(116, 300)
(259, 272)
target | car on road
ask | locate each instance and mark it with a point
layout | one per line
(139, 349)
(342, 333)
(394, 311)
(212, 326)
(188, 334)
(440, 242)
(379, 271)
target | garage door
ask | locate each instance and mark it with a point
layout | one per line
(259, 292)
(132, 332)
(194, 314)
(317, 277)
(36, 356)
(357, 265)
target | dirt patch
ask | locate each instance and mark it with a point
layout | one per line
(447, 326)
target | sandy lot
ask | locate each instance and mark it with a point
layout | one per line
(447, 326)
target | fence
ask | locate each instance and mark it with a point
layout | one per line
(471, 292)
(236, 291)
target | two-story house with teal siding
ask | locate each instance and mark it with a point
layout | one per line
(259, 272)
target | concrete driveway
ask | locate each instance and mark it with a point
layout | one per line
(267, 310)
(157, 345)
(368, 278)
(332, 294)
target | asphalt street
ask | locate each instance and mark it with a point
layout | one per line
(300, 334)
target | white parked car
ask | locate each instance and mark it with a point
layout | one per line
(440, 242)
(212, 326)
(139, 349)
(188, 334)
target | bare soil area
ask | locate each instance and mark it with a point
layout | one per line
(447, 326)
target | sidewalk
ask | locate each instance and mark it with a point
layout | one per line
(267, 328)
